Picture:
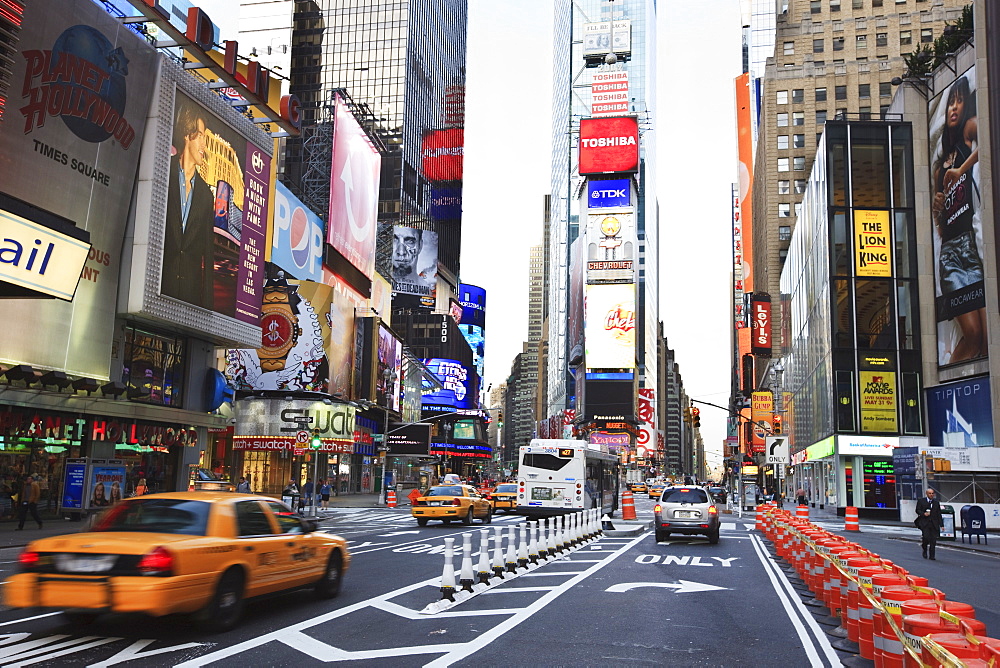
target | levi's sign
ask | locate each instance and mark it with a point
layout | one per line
(609, 145)
(39, 258)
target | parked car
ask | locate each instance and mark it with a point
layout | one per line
(452, 502)
(718, 494)
(181, 552)
(686, 511)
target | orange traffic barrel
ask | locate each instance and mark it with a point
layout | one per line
(916, 627)
(851, 519)
(859, 610)
(888, 646)
(972, 651)
(802, 511)
(390, 498)
(628, 505)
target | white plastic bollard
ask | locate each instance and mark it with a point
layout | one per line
(575, 533)
(511, 563)
(466, 578)
(543, 540)
(561, 533)
(522, 550)
(533, 543)
(498, 552)
(484, 556)
(448, 576)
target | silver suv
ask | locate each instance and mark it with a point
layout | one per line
(686, 510)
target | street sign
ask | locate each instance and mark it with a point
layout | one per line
(298, 452)
(777, 449)
(302, 437)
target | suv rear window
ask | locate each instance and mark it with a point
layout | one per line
(684, 495)
(179, 516)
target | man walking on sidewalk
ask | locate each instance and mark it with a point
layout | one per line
(929, 522)
(28, 502)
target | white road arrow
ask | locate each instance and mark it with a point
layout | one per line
(681, 586)
(396, 533)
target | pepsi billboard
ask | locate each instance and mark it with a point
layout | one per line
(609, 193)
(297, 240)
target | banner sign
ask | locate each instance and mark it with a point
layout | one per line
(878, 401)
(760, 311)
(609, 144)
(872, 252)
(609, 93)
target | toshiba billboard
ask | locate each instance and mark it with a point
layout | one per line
(609, 145)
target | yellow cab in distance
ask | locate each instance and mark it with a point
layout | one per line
(656, 489)
(182, 552)
(638, 488)
(452, 502)
(503, 496)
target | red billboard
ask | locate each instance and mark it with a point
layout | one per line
(609, 145)
(354, 182)
(760, 311)
(443, 154)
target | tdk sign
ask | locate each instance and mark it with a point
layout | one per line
(604, 194)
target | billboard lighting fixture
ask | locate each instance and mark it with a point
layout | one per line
(113, 389)
(23, 372)
(88, 385)
(57, 379)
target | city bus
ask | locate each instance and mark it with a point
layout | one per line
(557, 476)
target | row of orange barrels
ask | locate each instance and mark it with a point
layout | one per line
(897, 619)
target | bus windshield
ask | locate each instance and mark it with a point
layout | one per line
(547, 462)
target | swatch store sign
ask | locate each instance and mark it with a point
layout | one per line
(264, 424)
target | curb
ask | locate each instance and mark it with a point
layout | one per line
(627, 530)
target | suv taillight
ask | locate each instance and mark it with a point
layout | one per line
(657, 508)
(712, 510)
(157, 562)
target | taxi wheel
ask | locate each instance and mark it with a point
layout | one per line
(224, 611)
(421, 521)
(469, 517)
(329, 585)
(489, 516)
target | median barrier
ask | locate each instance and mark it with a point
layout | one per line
(895, 618)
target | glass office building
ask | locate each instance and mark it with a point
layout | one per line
(852, 379)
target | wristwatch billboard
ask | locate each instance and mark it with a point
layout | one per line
(279, 328)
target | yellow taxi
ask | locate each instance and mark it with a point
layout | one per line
(638, 487)
(503, 496)
(184, 552)
(452, 502)
(656, 489)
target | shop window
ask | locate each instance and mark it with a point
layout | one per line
(879, 482)
(153, 367)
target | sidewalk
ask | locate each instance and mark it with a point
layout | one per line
(10, 537)
(907, 533)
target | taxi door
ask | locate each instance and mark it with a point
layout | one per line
(481, 505)
(262, 546)
(301, 560)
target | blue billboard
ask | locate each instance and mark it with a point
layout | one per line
(297, 242)
(958, 414)
(609, 193)
(473, 301)
(446, 203)
(474, 336)
(458, 384)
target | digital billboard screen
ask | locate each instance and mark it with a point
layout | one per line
(389, 376)
(609, 326)
(609, 145)
(473, 301)
(446, 203)
(411, 439)
(354, 181)
(609, 193)
(217, 200)
(959, 414)
(458, 386)
(443, 154)
(297, 239)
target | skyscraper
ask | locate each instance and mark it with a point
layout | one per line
(578, 31)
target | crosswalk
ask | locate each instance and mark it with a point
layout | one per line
(383, 516)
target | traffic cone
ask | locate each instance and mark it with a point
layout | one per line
(628, 506)
(606, 524)
(851, 519)
(390, 498)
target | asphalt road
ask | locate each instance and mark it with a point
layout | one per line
(617, 601)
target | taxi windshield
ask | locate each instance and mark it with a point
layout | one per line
(451, 490)
(507, 488)
(178, 516)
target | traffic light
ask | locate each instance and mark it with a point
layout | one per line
(315, 443)
(696, 417)
(687, 415)
(776, 425)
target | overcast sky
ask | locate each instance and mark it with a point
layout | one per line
(507, 158)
